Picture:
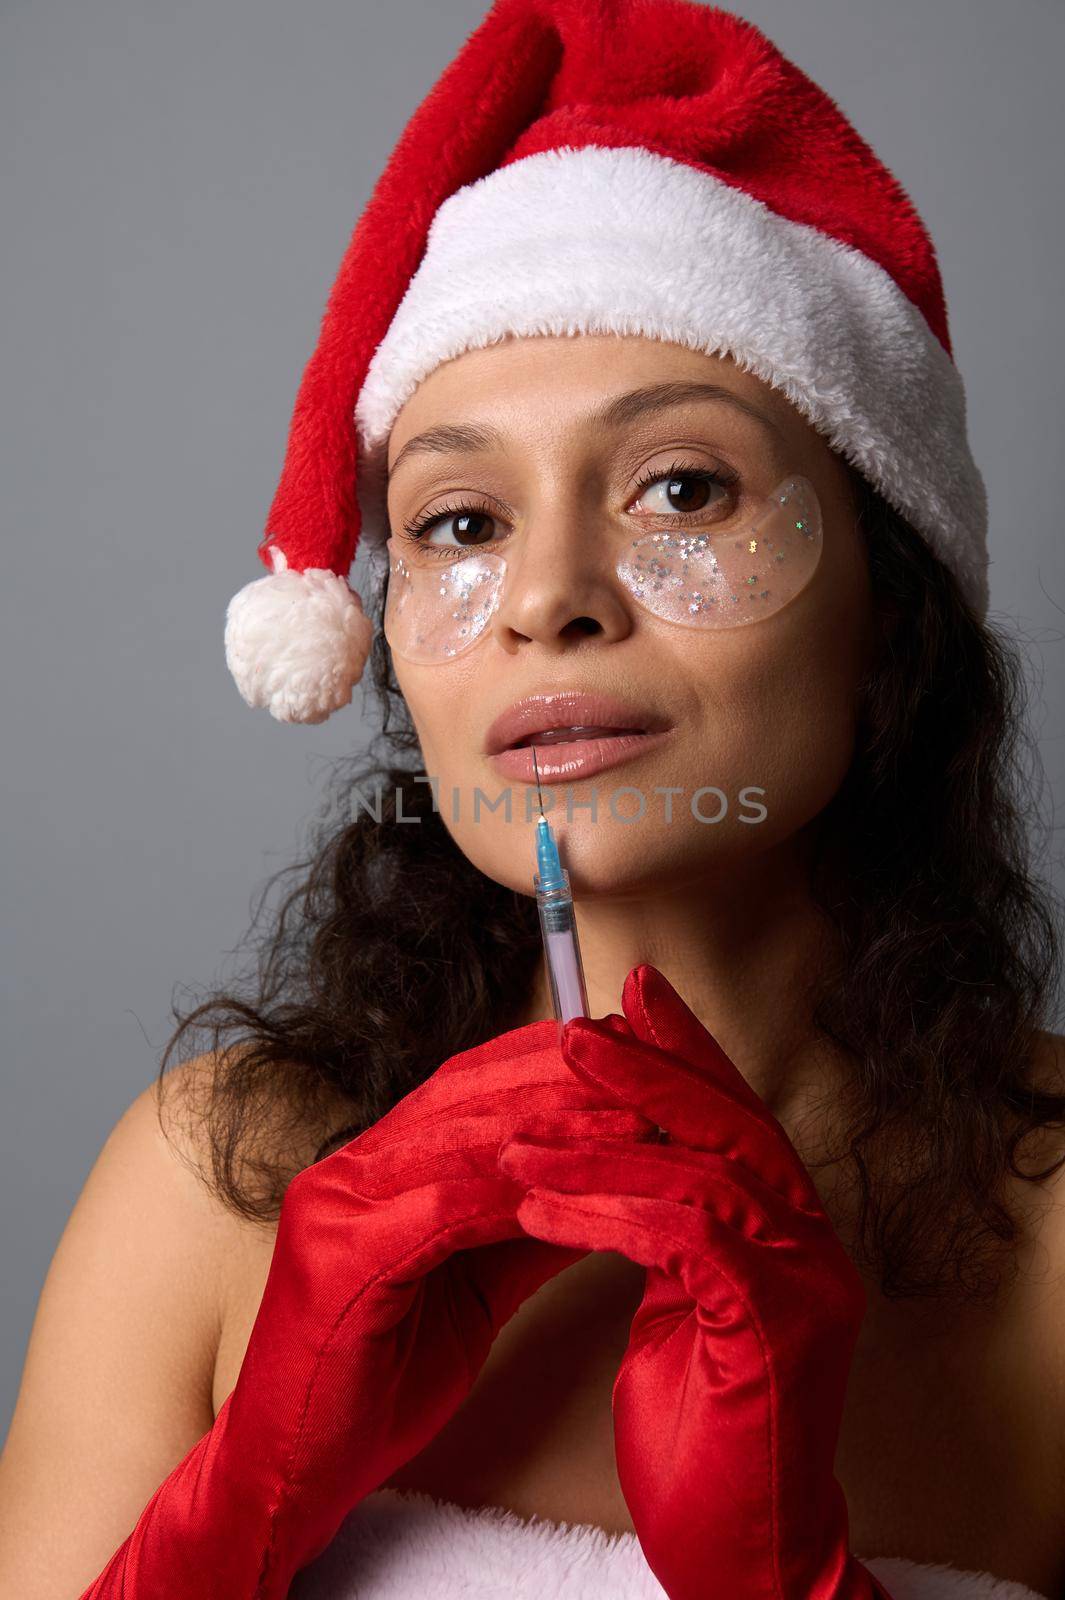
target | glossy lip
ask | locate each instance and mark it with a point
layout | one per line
(569, 708)
(579, 758)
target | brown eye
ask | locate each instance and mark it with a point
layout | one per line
(683, 493)
(471, 527)
(458, 526)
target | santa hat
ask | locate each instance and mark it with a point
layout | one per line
(650, 167)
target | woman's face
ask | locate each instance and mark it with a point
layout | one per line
(757, 720)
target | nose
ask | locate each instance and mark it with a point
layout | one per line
(560, 586)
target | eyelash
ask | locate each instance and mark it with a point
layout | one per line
(722, 477)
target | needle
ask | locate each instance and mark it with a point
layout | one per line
(539, 791)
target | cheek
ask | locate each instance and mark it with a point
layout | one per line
(800, 729)
(782, 695)
(820, 745)
(775, 711)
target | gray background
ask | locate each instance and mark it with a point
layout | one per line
(179, 184)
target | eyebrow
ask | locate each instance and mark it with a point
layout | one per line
(468, 438)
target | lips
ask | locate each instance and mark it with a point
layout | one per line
(570, 762)
(574, 735)
(569, 716)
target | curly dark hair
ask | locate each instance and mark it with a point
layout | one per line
(391, 952)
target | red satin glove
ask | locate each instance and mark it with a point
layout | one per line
(397, 1260)
(728, 1401)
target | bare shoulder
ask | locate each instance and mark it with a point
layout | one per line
(270, 1139)
(237, 1247)
(116, 1385)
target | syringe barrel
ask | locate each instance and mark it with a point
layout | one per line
(562, 953)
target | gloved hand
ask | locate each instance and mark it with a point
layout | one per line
(397, 1260)
(728, 1401)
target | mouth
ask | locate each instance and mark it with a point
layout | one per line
(573, 734)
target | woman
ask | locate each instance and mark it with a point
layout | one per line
(762, 1282)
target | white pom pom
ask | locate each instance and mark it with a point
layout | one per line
(297, 642)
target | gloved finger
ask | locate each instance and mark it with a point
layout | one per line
(656, 1012)
(435, 1148)
(407, 1236)
(734, 1276)
(652, 1171)
(658, 1015)
(694, 1249)
(487, 1107)
(698, 1108)
(616, 1024)
(520, 1059)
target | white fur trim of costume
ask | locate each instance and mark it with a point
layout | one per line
(627, 241)
(398, 1546)
(297, 642)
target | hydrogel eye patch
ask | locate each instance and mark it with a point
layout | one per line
(725, 579)
(439, 606)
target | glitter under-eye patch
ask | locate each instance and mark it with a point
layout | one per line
(437, 608)
(709, 579)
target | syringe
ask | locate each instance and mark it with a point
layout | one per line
(562, 953)
(561, 950)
